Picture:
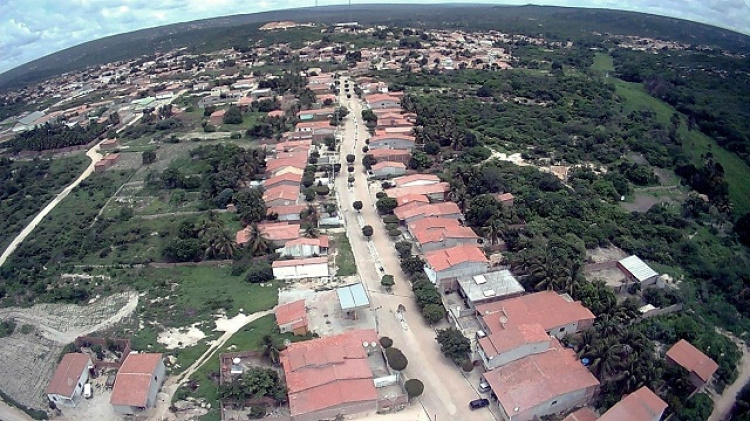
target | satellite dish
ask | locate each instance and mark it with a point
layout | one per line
(373, 344)
(365, 344)
(503, 320)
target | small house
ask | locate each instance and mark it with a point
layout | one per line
(443, 266)
(636, 270)
(314, 267)
(700, 366)
(67, 382)
(387, 169)
(292, 317)
(137, 383)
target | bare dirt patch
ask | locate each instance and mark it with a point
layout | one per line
(30, 359)
(181, 337)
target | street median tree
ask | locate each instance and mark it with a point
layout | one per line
(396, 359)
(454, 345)
(367, 231)
(414, 388)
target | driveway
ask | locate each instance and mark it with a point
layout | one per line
(447, 393)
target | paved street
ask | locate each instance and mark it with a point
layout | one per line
(447, 392)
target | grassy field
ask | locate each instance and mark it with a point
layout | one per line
(345, 258)
(603, 63)
(695, 143)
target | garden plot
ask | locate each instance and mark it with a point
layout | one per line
(30, 358)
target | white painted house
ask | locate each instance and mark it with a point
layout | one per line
(67, 383)
(314, 267)
(305, 247)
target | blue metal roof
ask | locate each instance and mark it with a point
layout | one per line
(352, 296)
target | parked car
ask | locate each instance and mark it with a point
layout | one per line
(479, 403)
(484, 387)
(87, 392)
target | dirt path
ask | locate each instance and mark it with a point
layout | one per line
(95, 157)
(723, 403)
(229, 327)
(9, 413)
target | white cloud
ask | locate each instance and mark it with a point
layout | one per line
(27, 33)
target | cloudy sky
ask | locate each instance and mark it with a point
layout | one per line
(33, 29)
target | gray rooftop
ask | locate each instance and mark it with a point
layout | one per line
(352, 296)
(31, 118)
(490, 285)
(638, 268)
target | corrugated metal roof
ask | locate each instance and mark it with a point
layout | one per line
(638, 268)
(352, 296)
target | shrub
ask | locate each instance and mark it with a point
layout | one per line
(433, 313)
(404, 249)
(414, 388)
(454, 344)
(396, 359)
(391, 219)
(394, 232)
(387, 281)
(259, 272)
(467, 366)
(386, 342)
(391, 226)
(322, 190)
(380, 195)
(367, 231)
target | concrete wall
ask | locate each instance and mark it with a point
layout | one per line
(156, 383)
(301, 250)
(318, 270)
(391, 143)
(447, 243)
(463, 269)
(358, 408)
(512, 355)
(561, 331)
(553, 406)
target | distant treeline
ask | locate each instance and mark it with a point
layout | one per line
(55, 136)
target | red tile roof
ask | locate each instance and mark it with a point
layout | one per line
(583, 414)
(327, 372)
(294, 312)
(279, 231)
(321, 241)
(641, 405)
(413, 198)
(413, 209)
(546, 308)
(134, 380)
(67, 374)
(292, 178)
(272, 165)
(427, 223)
(440, 260)
(439, 188)
(504, 197)
(440, 234)
(384, 164)
(402, 181)
(281, 192)
(539, 378)
(286, 210)
(513, 337)
(294, 145)
(299, 262)
(381, 97)
(275, 113)
(692, 360)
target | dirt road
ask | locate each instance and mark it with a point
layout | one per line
(9, 413)
(229, 327)
(724, 402)
(447, 393)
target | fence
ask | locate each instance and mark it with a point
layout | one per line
(122, 344)
(659, 312)
(593, 267)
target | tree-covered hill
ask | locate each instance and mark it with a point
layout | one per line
(553, 22)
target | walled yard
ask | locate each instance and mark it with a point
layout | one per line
(30, 354)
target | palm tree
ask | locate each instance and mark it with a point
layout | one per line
(311, 232)
(220, 245)
(310, 215)
(257, 243)
(493, 230)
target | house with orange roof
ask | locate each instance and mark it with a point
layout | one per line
(305, 247)
(393, 155)
(414, 211)
(273, 166)
(281, 195)
(318, 129)
(300, 145)
(217, 117)
(385, 140)
(279, 233)
(288, 213)
(700, 366)
(542, 384)
(443, 266)
(506, 199)
(334, 376)
(293, 180)
(66, 385)
(412, 198)
(275, 113)
(435, 192)
(441, 236)
(137, 383)
(387, 169)
(419, 179)
(582, 414)
(558, 314)
(292, 317)
(641, 405)
(382, 101)
(313, 267)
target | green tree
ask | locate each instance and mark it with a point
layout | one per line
(387, 282)
(250, 205)
(404, 249)
(386, 205)
(368, 161)
(148, 157)
(483, 208)
(233, 116)
(357, 205)
(259, 272)
(386, 342)
(367, 231)
(396, 359)
(412, 265)
(414, 388)
(433, 313)
(350, 159)
(256, 244)
(453, 344)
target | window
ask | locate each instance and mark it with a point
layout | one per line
(554, 403)
(562, 329)
(155, 378)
